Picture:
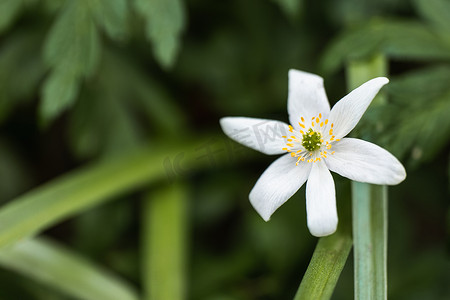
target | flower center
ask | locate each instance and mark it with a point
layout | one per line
(312, 140)
(310, 145)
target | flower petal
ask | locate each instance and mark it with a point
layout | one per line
(365, 162)
(321, 201)
(277, 184)
(260, 134)
(306, 97)
(347, 112)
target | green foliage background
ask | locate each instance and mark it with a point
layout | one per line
(114, 93)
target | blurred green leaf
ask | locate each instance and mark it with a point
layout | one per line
(58, 93)
(290, 7)
(164, 243)
(165, 21)
(9, 10)
(52, 264)
(21, 70)
(122, 92)
(72, 50)
(420, 104)
(112, 16)
(403, 40)
(435, 11)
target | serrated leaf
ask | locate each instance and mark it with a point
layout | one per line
(290, 7)
(412, 40)
(419, 114)
(405, 40)
(58, 93)
(164, 23)
(112, 16)
(72, 50)
(73, 42)
(435, 11)
(355, 43)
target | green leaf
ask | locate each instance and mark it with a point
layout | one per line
(9, 10)
(20, 69)
(411, 40)
(435, 11)
(59, 92)
(403, 40)
(164, 23)
(325, 267)
(290, 7)
(425, 95)
(353, 44)
(112, 16)
(72, 50)
(164, 219)
(49, 263)
(91, 185)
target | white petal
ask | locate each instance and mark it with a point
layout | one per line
(306, 97)
(277, 184)
(348, 111)
(365, 162)
(321, 201)
(259, 134)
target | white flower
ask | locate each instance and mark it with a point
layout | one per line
(314, 144)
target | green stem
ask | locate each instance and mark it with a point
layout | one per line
(369, 207)
(97, 183)
(325, 267)
(164, 218)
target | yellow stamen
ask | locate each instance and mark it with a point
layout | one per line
(326, 121)
(303, 120)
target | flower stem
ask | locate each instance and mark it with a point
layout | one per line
(369, 207)
(325, 267)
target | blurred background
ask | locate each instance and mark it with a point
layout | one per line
(84, 81)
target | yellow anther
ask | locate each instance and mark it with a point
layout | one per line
(312, 124)
(313, 118)
(292, 154)
(317, 120)
(301, 125)
(337, 140)
(284, 136)
(303, 120)
(320, 115)
(302, 132)
(332, 124)
(321, 124)
(289, 140)
(321, 140)
(329, 146)
(290, 145)
(333, 152)
(326, 121)
(285, 149)
(331, 131)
